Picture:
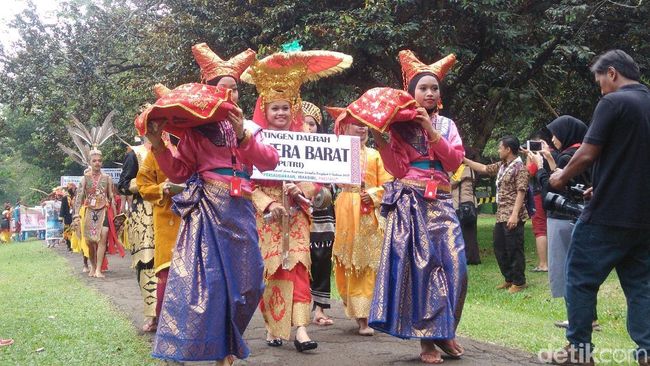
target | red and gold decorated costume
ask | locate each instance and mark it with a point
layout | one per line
(287, 298)
(215, 278)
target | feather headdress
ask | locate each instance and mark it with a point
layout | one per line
(87, 141)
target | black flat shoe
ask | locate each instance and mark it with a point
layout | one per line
(305, 346)
(274, 342)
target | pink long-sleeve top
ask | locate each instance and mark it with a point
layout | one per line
(401, 152)
(197, 154)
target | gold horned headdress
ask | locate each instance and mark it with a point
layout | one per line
(88, 141)
(213, 66)
(280, 76)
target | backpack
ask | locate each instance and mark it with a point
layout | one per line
(529, 198)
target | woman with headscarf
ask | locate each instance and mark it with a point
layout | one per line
(567, 135)
(321, 236)
(423, 268)
(284, 222)
(215, 278)
(359, 229)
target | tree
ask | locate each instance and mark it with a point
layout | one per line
(520, 62)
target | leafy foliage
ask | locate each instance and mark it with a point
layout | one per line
(520, 62)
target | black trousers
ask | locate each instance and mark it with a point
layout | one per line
(321, 272)
(471, 242)
(509, 251)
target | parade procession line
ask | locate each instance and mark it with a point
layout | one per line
(337, 344)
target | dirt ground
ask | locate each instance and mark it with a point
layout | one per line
(337, 344)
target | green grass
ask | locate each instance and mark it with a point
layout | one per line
(44, 306)
(525, 320)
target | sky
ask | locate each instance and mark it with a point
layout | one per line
(12, 7)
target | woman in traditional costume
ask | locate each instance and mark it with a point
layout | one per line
(321, 236)
(215, 279)
(359, 230)
(422, 277)
(284, 235)
(154, 187)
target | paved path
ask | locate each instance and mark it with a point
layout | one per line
(338, 345)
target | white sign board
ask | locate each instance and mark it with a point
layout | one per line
(307, 157)
(114, 173)
(32, 218)
(65, 179)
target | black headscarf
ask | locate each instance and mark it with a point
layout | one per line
(414, 82)
(568, 130)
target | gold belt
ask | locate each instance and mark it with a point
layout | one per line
(422, 184)
(353, 189)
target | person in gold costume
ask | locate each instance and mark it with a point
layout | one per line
(359, 229)
(140, 232)
(155, 188)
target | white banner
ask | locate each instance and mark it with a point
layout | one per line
(65, 179)
(114, 173)
(53, 227)
(307, 157)
(32, 218)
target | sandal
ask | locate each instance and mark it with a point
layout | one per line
(6, 342)
(431, 357)
(446, 347)
(323, 321)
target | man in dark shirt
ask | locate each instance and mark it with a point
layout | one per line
(614, 229)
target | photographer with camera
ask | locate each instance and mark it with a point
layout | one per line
(614, 229)
(567, 134)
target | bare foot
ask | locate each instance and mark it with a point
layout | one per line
(84, 270)
(430, 354)
(228, 361)
(364, 329)
(99, 274)
(431, 357)
(150, 325)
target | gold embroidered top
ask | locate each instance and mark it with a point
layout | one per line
(271, 233)
(359, 233)
(151, 181)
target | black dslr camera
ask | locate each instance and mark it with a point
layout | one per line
(572, 204)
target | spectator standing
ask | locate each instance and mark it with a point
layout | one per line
(512, 185)
(615, 225)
